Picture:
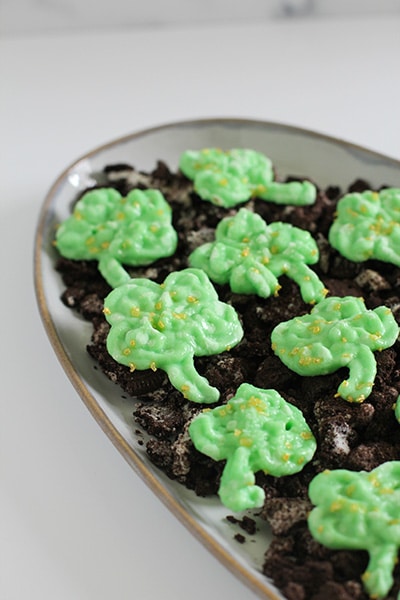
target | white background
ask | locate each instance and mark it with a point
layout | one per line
(72, 511)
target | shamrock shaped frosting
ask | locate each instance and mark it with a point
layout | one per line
(232, 177)
(338, 332)
(257, 430)
(250, 255)
(165, 326)
(135, 230)
(367, 226)
(360, 511)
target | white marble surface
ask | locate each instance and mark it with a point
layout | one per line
(36, 16)
(71, 509)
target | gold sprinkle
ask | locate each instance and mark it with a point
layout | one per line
(246, 442)
(132, 343)
(192, 299)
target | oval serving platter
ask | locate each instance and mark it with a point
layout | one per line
(292, 150)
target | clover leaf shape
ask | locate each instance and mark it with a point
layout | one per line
(338, 332)
(250, 255)
(367, 226)
(257, 430)
(134, 230)
(360, 511)
(232, 177)
(165, 326)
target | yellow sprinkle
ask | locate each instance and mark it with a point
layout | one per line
(161, 324)
(179, 315)
(247, 442)
(336, 505)
(153, 366)
(274, 249)
(300, 460)
(245, 240)
(386, 491)
(106, 311)
(135, 311)
(276, 291)
(285, 457)
(132, 367)
(192, 299)
(121, 216)
(158, 305)
(223, 181)
(90, 240)
(245, 252)
(237, 432)
(93, 249)
(307, 278)
(132, 343)
(265, 260)
(77, 215)
(306, 435)
(105, 245)
(126, 351)
(154, 228)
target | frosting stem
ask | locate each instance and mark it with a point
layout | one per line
(112, 271)
(378, 578)
(237, 483)
(194, 387)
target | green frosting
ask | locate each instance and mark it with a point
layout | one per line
(257, 430)
(339, 332)
(250, 255)
(114, 230)
(165, 326)
(232, 177)
(360, 511)
(367, 226)
(397, 409)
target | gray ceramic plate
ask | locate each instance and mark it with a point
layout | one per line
(293, 151)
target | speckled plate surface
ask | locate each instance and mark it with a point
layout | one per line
(293, 151)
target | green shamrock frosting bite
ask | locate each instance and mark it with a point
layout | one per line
(360, 511)
(338, 332)
(250, 255)
(257, 430)
(367, 226)
(232, 177)
(165, 326)
(114, 230)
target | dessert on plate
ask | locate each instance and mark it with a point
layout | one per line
(256, 321)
